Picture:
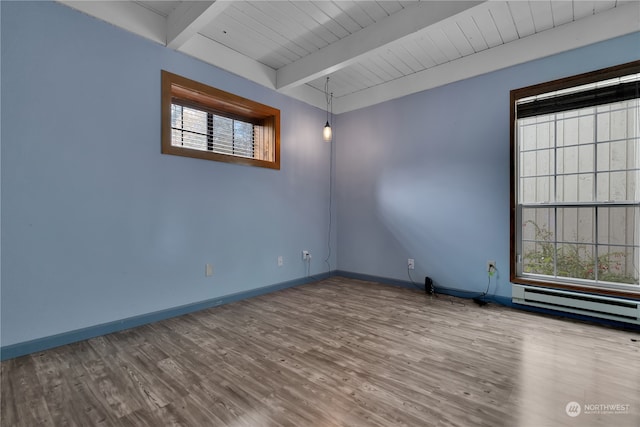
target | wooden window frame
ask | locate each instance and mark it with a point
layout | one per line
(515, 95)
(224, 104)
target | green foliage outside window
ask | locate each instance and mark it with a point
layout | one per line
(574, 260)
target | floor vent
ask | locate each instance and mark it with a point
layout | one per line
(622, 310)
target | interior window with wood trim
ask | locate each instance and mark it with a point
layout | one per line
(207, 123)
(575, 188)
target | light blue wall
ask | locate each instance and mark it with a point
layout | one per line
(97, 225)
(427, 176)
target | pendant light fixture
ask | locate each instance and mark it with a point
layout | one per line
(326, 132)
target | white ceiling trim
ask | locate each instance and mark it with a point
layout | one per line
(189, 18)
(606, 25)
(367, 42)
(126, 15)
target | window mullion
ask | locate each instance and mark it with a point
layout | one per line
(210, 131)
(596, 260)
(555, 195)
(233, 136)
(596, 247)
(181, 126)
(555, 242)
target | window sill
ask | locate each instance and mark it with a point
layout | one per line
(596, 290)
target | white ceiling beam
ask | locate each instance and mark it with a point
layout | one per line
(216, 54)
(307, 94)
(189, 18)
(615, 22)
(367, 41)
(126, 15)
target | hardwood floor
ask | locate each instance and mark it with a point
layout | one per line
(339, 352)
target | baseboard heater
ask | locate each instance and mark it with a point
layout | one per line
(619, 309)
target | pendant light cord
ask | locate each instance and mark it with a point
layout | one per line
(329, 99)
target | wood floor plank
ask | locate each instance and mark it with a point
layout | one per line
(19, 379)
(340, 352)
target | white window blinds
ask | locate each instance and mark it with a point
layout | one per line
(204, 130)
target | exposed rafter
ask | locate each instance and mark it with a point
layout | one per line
(368, 41)
(609, 24)
(482, 36)
(221, 56)
(189, 18)
(127, 15)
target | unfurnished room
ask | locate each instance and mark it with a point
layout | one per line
(320, 213)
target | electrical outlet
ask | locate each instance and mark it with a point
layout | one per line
(411, 264)
(491, 266)
(280, 261)
(306, 256)
(208, 270)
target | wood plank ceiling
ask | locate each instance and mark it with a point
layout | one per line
(372, 50)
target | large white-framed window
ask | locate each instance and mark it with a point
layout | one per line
(575, 202)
